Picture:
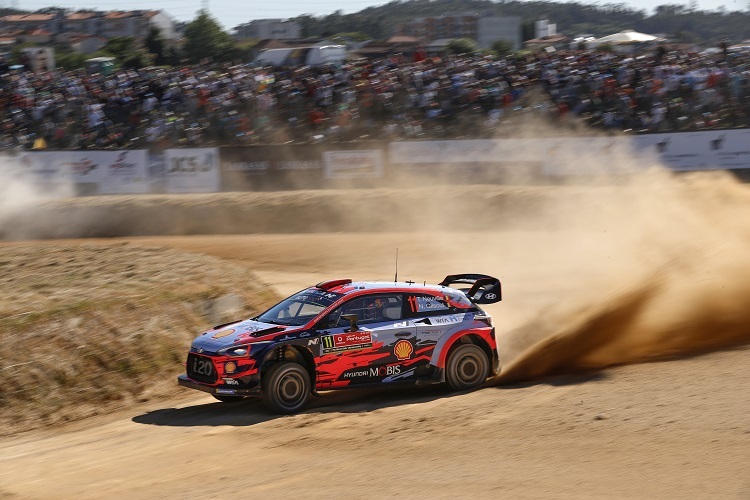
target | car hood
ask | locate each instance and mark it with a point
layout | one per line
(247, 331)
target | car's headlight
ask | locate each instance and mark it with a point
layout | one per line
(242, 351)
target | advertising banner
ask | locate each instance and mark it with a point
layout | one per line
(353, 164)
(470, 161)
(271, 167)
(39, 167)
(123, 172)
(194, 170)
(300, 166)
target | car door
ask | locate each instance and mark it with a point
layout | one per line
(380, 349)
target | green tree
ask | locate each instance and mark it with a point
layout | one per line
(120, 47)
(462, 46)
(501, 47)
(204, 39)
(154, 43)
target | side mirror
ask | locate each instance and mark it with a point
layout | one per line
(352, 318)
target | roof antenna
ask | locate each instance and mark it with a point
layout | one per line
(395, 279)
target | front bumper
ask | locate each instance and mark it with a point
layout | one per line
(220, 390)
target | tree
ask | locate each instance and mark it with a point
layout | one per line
(155, 45)
(501, 47)
(205, 40)
(120, 47)
(462, 46)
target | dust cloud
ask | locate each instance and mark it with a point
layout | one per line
(674, 280)
(22, 192)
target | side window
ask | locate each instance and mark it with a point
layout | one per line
(369, 309)
(427, 305)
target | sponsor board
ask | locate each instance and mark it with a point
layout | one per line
(194, 170)
(346, 341)
(125, 172)
(353, 164)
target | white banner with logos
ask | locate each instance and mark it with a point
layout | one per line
(355, 164)
(194, 170)
(39, 167)
(110, 172)
(124, 172)
(561, 156)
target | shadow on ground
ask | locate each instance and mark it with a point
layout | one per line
(251, 411)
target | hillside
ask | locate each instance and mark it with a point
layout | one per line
(683, 23)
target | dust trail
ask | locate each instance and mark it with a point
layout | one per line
(676, 283)
(21, 192)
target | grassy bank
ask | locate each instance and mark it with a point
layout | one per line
(87, 328)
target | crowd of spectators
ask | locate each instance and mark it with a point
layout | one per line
(390, 99)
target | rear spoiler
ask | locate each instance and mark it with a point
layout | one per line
(484, 289)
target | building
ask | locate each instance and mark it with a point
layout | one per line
(492, 29)
(268, 29)
(109, 24)
(482, 29)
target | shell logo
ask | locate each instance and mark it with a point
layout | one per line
(403, 350)
(223, 333)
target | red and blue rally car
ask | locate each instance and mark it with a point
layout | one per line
(344, 334)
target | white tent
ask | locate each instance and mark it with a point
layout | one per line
(625, 37)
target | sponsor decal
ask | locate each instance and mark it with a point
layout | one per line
(223, 333)
(353, 164)
(230, 367)
(490, 296)
(314, 341)
(225, 391)
(82, 167)
(380, 371)
(184, 164)
(403, 350)
(383, 371)
(346, 341)
(230, 381)
(300, 165)
(430, 334)
(122, 167)
(447, 320)
(249, 166)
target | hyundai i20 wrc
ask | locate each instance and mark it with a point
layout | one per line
(342, 334)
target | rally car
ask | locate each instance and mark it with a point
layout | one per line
(343, 334)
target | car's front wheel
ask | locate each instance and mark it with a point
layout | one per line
(286, 387)
(467, 367)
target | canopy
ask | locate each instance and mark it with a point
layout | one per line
(626, 36)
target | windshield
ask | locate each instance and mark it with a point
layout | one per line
(299, 308)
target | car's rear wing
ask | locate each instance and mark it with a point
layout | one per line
(484, 289)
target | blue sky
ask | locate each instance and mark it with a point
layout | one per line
(230, 13)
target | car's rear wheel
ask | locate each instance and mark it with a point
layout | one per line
(467, 367)
(286, 387)
(228, 399)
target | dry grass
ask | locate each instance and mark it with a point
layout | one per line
(89, 327)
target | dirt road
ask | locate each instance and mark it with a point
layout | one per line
(676, 429)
